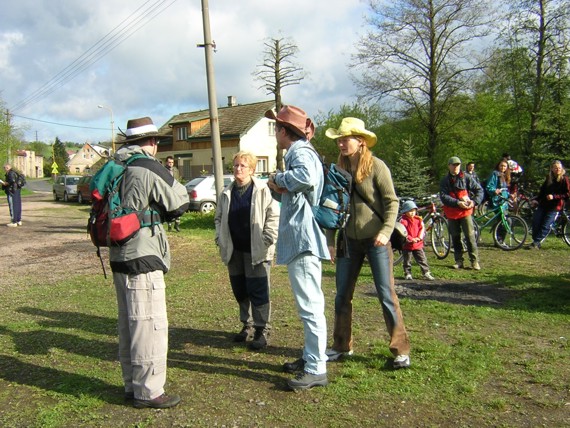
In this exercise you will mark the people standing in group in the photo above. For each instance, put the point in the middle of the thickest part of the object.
(169, 164)
(373, 214)
(139, 266)
(498, 185)
(247, 220)
(414, 246)
(10, 186)
(301, 244)
(553, 193)
(470, 171)
(459, 195)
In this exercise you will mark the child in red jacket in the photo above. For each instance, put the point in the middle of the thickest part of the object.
(414, 245)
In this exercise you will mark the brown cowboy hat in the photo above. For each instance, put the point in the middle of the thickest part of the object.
(140, 129)
(295, 119)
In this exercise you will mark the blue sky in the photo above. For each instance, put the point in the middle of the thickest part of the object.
(158, 71)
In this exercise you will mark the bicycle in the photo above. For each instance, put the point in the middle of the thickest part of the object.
(435, 227)
(509, 230)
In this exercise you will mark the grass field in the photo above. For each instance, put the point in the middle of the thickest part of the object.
(489, 348)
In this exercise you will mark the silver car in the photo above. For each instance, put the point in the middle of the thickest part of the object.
(65, 187)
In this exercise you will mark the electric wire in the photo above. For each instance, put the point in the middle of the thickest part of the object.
(102, 47)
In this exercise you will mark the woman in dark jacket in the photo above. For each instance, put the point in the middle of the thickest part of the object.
(550, 200)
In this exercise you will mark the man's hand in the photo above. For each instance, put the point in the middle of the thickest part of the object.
(274, 187)
(331, 252)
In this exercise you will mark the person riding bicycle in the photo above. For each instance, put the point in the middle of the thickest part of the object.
(414, 246)
(550, 200)
(458, 206)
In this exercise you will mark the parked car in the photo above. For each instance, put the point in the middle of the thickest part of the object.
(83, 192)
(65, 187)
(202, 192)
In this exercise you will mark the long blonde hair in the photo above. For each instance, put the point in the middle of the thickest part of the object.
(364, 168)
(551, 177)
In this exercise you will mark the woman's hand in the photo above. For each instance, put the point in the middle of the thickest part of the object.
(331, 252)
(549, 197)
(381, 240)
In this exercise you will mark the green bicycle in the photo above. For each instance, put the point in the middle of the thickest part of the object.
(509, 231)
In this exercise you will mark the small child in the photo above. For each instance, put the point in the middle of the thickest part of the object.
(414, 245)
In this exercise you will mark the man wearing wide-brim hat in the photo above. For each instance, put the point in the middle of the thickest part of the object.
(301, 244)
(140, 264)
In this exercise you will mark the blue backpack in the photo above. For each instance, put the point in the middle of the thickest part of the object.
(332, 210)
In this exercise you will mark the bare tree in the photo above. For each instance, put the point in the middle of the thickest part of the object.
(277, 71)
(419, 54)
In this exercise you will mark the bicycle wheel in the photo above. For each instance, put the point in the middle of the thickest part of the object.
(439, 237)
(525, 211)
(566, 230)
(512, 236)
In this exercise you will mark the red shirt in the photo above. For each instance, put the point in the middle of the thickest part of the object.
(415, 227)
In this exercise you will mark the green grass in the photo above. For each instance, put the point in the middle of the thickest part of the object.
(474, 362)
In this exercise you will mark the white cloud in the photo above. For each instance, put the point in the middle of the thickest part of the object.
(159, 71)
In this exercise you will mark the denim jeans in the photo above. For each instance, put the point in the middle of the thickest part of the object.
(541, 222)
(347, 271)
(305, 278)
(456, 226)
(15, 206)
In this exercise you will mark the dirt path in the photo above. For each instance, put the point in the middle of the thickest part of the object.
(51, 242)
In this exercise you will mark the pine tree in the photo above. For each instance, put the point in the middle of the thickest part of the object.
(410, 172)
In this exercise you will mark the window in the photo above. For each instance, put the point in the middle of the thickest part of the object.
(272, 128)
(262, 166)
(182, 133)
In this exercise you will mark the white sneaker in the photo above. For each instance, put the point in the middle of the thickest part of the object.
(12, 225)
(429, 276)
(408, 277)
(19, 223)
(336, 355)
(402, 362)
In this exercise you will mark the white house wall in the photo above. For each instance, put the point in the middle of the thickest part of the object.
(258, 141)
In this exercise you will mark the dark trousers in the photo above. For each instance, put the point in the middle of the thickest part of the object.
(15, 204)
(419, 256)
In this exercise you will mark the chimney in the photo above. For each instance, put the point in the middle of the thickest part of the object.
(232, 101)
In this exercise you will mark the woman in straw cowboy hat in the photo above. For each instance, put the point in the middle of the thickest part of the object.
(374, 209)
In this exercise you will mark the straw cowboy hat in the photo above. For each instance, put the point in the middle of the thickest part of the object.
(140, 129)
(352, 126)
(295, 119)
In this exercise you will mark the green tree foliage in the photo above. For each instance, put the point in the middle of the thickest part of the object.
(60, 156)
(410, 172)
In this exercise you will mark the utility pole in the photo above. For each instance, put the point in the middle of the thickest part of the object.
(209, 46)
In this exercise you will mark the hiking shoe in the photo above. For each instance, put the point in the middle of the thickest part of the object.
(401, 362)
(12, 225)
(533, 246)
(475, 265)
(408, 277)
(336, 355)
(129, 395)
(259, 339)
(429, 276)
(161, 402)
(458, 265)
(294, 366)
(306, 380)
(243, 335)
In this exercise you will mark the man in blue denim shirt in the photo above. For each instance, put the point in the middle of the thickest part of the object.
(301, 244)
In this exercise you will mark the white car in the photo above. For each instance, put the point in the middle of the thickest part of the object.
(202, 192)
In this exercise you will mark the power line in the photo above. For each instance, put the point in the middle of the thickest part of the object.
(102, 47)
(59, 124)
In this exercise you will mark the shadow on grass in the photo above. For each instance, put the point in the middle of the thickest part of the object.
(15, 371)
(41, 341)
